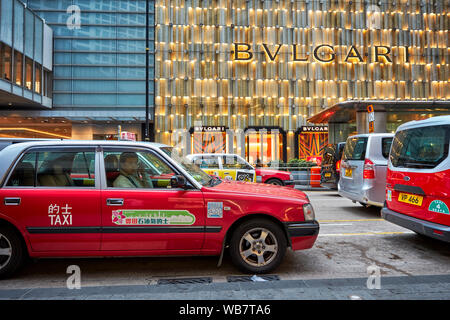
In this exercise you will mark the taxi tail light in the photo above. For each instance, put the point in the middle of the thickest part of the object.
(338, 165)
(369, 170)
(308, 212)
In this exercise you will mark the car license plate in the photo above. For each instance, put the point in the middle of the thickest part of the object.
(410, 198)
(327, 175)
(348, 172)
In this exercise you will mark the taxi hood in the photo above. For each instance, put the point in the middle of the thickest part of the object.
(259, 189)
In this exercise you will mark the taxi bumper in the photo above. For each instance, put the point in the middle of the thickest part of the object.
(302, 235)
(430, 229)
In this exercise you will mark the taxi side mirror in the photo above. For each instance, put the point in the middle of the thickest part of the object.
(178, 181)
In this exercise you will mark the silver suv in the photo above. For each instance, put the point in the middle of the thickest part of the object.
(363, 168)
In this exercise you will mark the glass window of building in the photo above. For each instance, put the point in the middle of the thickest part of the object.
(47, 83)
(38, 34)
(38, 78)
(6, 19)
(5, 62)
(28, 73)
(29, 33)
(18, 26)
(18, 68)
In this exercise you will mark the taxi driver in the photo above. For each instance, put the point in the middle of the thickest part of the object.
(130, 177)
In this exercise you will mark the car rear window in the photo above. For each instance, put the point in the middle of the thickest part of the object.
(341, 147)
(355, 148)
(420, 147)
(386, 146)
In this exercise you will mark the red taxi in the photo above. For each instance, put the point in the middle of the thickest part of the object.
(109, 198)
(418, 178)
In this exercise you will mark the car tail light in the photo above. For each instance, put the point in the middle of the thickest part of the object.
(369, 170)
(338, 165)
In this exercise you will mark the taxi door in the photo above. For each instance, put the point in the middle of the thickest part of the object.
(139, 213)
(58, 210)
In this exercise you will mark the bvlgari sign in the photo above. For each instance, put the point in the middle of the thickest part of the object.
(321, 53)
(314, 129)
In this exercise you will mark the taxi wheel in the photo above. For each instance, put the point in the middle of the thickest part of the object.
(11, 252)
(257, 246)
(275, 182)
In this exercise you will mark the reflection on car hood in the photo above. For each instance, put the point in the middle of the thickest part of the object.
(259, 189)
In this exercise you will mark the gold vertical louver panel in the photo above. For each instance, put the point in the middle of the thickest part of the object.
(198, 79)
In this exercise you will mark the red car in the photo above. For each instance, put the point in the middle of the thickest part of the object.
(65, 199)
(418, 178)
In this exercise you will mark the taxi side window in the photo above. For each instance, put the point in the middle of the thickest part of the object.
(54, 169)
(66, 169)
(24, 173)
(130, 169)
(233, 162)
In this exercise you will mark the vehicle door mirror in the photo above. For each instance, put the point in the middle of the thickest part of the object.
(178, 181)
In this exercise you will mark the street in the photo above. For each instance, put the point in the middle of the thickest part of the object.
(351, 240)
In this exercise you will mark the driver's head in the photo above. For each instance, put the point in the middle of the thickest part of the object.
(128, 162)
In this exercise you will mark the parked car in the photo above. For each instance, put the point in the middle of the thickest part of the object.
(363, 168)
(234, 167)
(418, 179)
(331, 165)
(56, 203)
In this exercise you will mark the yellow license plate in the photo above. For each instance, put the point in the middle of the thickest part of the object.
(348, 172)
(327, 175)
(410, 198)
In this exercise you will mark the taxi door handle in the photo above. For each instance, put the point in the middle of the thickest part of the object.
(114, 202)
(11, 201)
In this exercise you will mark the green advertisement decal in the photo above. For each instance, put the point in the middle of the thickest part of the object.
(153, 217)
(439, 207)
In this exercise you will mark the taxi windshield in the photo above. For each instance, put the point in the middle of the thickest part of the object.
(198, 174)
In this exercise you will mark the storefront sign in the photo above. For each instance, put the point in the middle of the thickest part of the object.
(210, 129)
(321, 53)
(314, 129)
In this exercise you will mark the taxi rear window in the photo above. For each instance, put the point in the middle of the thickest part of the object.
(424, 147)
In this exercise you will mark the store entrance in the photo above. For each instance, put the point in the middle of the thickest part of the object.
(209, 139)
(265, 145)
(310, 143)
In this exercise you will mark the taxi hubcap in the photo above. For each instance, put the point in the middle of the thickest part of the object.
(258, 247)
(5, 251)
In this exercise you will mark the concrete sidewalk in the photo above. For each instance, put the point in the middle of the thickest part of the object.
(433, 287)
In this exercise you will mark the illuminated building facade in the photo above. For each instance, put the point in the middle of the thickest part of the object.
(237, 76)
(260, 69)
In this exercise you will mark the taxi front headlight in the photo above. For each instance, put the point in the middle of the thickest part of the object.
(308, 212)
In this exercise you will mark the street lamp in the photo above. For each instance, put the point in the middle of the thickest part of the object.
(147, 123)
